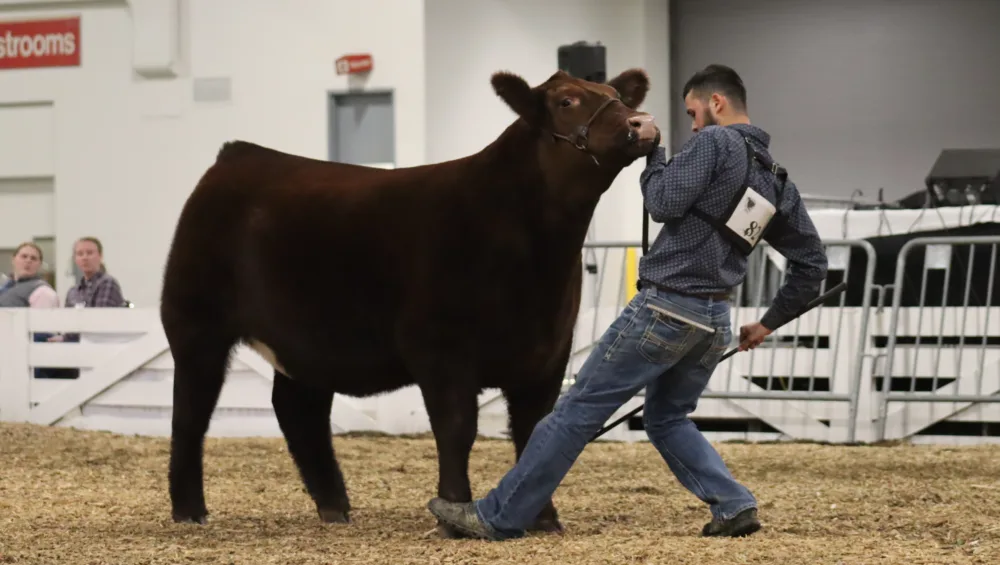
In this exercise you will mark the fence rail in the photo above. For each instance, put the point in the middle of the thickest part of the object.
(802, 382)
(938, 252)
(880, 361)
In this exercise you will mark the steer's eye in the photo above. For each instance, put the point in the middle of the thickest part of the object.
(566, 102)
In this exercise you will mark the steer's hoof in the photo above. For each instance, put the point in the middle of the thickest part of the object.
(334, 516)
(549, 526)
(200, 519)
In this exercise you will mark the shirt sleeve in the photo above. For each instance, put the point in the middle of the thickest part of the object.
(44, 297)
(670, 187)
(108, 294)
(794, 236)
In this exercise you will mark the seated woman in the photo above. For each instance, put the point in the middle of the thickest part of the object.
(26, 288)
(95, 289)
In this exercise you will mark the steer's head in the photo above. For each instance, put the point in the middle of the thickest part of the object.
(600, 120)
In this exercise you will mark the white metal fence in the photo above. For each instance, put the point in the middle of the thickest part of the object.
(821, 377)
(943, 339)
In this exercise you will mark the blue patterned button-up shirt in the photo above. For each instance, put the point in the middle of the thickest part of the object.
(689, 255)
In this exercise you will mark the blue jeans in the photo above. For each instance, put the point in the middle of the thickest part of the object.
(673, 360)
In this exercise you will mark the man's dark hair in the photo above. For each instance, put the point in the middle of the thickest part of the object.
(721, 79)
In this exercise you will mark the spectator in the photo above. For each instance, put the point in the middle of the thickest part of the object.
(96, 288)
(26, 288)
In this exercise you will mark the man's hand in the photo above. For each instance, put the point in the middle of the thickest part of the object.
(752, 335)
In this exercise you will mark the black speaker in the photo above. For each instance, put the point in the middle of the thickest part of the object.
(961, 177)
(584, 60)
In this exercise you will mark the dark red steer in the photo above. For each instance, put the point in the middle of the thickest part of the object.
(457, 277)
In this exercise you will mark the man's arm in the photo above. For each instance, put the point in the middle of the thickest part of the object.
(795, 236)
(669, 188)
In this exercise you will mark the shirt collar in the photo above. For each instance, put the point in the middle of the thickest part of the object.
(755, 132)
(93, 280)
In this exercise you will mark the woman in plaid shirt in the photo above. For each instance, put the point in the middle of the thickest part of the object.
(96, 288)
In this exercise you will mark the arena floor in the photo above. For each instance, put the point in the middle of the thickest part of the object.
(69, 496)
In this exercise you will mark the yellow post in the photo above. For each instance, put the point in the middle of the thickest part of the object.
(631, 273)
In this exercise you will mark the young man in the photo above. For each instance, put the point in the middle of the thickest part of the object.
(715, 198)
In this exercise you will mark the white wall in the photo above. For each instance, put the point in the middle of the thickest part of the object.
(128, 150)
(27, 211)
(27, 200)
(857, 94)
(468, 41)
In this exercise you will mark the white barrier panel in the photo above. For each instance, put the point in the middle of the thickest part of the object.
(126, 375)
(125, 381)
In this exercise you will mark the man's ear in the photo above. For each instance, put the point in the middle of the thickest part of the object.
(632, 85)
(717, 102)
(513, 90)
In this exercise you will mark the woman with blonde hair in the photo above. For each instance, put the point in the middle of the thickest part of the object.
(96, 288)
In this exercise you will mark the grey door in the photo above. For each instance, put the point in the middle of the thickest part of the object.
(362, 128)
(6, 261)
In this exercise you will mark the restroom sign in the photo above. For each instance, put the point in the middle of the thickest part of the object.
(40, 43)
(351, 64)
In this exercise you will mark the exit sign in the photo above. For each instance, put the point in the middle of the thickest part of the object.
(351, 64)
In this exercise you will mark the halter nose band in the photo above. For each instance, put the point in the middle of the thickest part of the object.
(579, 137)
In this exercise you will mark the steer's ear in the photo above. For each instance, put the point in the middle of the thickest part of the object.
(513, 90)
(632, 85)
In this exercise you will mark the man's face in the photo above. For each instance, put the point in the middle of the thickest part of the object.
(700, 110)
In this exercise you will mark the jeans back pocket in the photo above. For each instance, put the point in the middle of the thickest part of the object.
(665, 337)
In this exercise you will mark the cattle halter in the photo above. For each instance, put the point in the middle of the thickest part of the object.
(579, 137)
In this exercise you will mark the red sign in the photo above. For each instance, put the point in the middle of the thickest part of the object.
(350, 64)
(40, 43)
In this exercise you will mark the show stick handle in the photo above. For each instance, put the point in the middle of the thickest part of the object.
(838, 288)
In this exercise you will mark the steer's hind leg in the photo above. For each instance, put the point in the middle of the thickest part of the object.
(526, 406)
(200, 363)
(304, 417)
(453, 410)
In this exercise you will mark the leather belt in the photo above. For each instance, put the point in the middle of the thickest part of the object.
(724, 295)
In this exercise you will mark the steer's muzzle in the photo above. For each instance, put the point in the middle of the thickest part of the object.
(642, 128)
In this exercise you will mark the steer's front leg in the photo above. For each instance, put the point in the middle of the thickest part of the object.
(454, 411)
